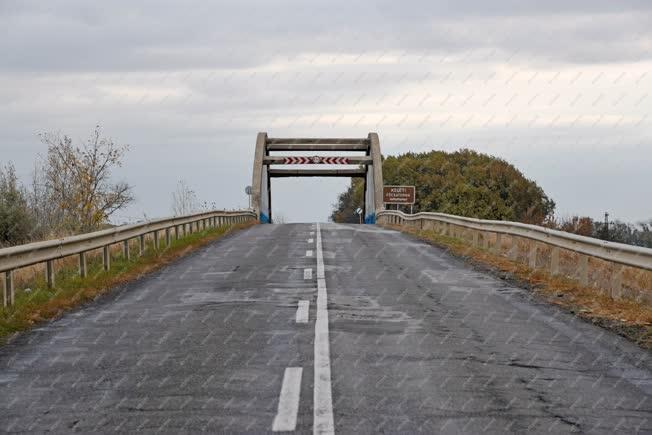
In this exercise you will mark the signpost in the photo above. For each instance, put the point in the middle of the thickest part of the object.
(398, 195)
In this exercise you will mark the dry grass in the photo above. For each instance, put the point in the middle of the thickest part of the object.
(629, 316)
(36, 303)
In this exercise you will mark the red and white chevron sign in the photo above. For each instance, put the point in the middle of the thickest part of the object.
(315, 160)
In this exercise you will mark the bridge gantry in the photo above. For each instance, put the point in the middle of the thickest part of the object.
(369, 168)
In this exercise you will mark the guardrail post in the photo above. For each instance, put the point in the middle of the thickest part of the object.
(125, 250)
(106, 258)
(583, 270)
(49, 273)
(617, 282)
(168, 238)
(8, 293)
(554, 261)
(532, 257)
(176, 232)
(141, 244)
(498, 247)
(156, 241)
(82, 265)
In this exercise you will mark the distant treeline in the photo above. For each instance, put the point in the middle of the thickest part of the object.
(472, 184)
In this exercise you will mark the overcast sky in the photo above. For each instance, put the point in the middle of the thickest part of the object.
(559, 88)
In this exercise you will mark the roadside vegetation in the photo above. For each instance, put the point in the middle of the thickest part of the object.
(71, 190)
(35, 302)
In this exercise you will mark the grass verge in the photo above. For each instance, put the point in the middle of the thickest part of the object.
(35, 302)
(627, 318)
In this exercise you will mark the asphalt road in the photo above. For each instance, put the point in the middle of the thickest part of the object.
(305, 327)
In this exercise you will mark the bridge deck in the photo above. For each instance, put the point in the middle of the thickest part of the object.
(415, 340)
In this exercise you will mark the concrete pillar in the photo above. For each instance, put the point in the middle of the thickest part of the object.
(125, 250)
(8, 293)
(532, 257)
(554, 261)
(106, 257)
(168, 238)
(49, 273)
(82, 265)
(583, 270)
(141, 244)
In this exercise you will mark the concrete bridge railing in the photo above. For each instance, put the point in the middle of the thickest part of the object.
(525, 242)
(48, 251)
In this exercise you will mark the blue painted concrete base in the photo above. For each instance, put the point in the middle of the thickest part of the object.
(264, 219)
(370, 218)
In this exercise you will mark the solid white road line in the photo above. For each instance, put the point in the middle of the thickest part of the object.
(323, 396)
(288, 402)
(302, 311)
(309, 253)
(307, 273)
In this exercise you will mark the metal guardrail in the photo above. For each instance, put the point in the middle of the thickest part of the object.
(29, 254)
(618, 253)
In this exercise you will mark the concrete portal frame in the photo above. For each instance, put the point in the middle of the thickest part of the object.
(369, 168)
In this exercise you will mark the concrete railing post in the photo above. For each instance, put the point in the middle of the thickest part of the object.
(498, 247)
(141, 244)
(125, 250)
(513, 250)
(176, 232)
(617, 282)
(156, 240)
(532, 256)
(485, 240)
(8, 293)
(583, 270)
(82, 265)
(554, 261)
(49, 273)
(168, 237)
(106, 258)
(476, 241)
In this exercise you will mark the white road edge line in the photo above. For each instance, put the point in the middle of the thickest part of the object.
(323, 396)
(309, 253)
(307, 273)
(302, 311)
(288, 402)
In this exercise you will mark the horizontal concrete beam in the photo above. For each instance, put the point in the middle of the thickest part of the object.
(351, 160)
(317, 141)
(278, 173)
(316, 147)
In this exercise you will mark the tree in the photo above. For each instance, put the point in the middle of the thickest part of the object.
(464, 183)
(77, 181)
(184, 200)
(15, 218)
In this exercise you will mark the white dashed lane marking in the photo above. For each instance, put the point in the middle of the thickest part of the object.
(309, 253)
(311, 240)
(288, 402)
(307, 273)
(303, 311)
